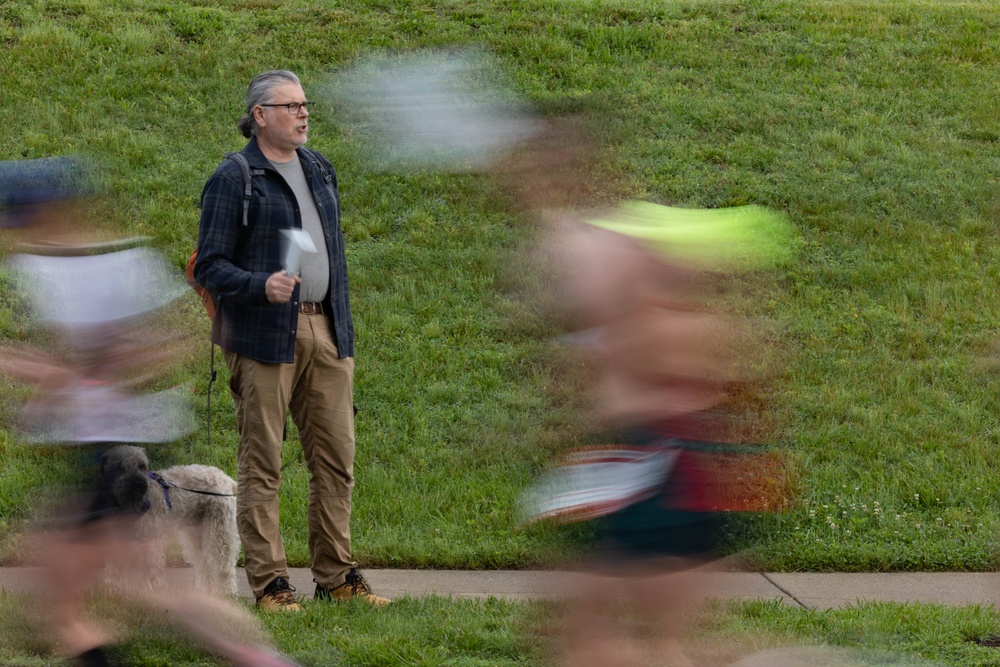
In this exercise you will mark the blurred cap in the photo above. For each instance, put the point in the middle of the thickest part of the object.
(27, 183)
(450, 110)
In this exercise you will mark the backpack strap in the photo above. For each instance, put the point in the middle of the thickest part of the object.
(248, 173)
(241, 160)
(314, 156)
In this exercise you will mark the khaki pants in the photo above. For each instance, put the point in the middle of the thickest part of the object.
(318, 388)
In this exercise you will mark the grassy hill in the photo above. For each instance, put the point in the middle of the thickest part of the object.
(873, 125)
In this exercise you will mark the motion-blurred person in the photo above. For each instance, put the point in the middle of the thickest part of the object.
(644, 282)
(667, 355)
(92, 301)
(287, 337)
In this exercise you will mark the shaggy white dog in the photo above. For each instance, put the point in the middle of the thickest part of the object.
(195, 504)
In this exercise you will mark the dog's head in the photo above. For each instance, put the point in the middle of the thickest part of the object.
(122, 477)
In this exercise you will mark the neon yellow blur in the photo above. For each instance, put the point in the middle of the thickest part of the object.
(726, 239)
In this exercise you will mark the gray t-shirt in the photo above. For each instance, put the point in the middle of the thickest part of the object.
(315, 266)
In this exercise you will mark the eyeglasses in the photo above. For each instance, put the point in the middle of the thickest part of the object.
(293, 107)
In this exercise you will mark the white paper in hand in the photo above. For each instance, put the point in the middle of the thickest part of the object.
(295, 243)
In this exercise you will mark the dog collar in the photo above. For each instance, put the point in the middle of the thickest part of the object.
(164, 485)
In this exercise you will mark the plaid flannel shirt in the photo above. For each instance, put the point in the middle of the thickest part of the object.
(234, 261)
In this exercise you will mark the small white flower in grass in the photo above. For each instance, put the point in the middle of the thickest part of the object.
(847, 532)
(917, 526)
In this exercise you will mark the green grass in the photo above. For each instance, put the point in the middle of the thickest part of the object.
(872, 124)
(468, 633)
(871, 633)
(432, 631)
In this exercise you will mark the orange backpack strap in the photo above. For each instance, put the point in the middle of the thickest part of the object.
(204, 294)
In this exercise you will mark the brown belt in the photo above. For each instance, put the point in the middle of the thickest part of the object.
(311, 308)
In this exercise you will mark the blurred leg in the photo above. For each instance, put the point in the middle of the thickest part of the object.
(594, 638)
(667, 603)
(73, 562)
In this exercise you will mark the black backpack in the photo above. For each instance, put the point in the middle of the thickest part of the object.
(248, 174)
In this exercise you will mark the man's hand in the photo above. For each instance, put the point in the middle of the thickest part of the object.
(279, 286)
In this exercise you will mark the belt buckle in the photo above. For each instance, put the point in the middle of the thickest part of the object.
(308, 308)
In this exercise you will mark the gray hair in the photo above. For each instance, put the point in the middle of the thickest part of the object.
(259, 92)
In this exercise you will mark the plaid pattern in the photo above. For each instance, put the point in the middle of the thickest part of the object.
(234, 261)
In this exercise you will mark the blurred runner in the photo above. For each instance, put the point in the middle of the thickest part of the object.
(645, 285)
(641, 285)
(93, 302)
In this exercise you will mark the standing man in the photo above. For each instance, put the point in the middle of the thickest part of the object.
(288, 340)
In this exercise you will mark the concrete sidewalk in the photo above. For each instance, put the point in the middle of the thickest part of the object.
(806, 590)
